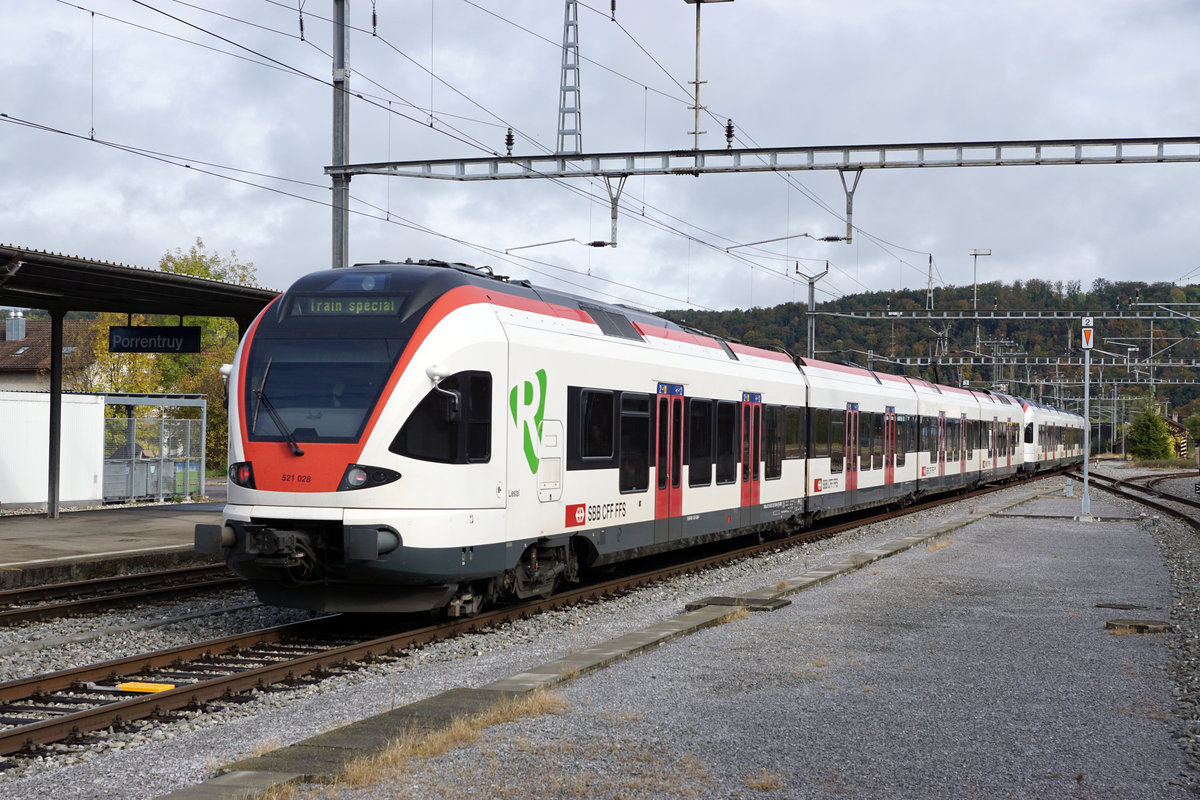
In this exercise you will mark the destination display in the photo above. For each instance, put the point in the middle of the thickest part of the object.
(350, 305)
(154, 339)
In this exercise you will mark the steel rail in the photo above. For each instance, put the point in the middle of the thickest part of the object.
(53, 591)
(169, 583)
(1116, 487)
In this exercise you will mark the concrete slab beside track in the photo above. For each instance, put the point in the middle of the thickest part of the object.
(976, 664)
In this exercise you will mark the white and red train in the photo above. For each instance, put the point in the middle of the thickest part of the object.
(426, 435)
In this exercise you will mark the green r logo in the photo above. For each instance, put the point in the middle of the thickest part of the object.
(527, 415)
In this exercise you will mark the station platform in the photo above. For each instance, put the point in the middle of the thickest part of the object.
(1001, 650)
(35, 549)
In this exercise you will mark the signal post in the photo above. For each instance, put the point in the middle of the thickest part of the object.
(1087, 339)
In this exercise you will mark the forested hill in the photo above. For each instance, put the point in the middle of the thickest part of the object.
(784, 326)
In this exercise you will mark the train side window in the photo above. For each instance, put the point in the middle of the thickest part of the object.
(772, 434)
(727, 442)
(865, 426)
(597, 428)
(819, 438)
(793, 432)
(837, 440)
(901, 438)
(452, 424)
(635, 442)
(700, 443)
(478, 413)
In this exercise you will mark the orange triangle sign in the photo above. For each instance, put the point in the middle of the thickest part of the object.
(1087, 338)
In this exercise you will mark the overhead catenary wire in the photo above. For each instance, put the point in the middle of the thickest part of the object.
(383, 215)
(485, 148)
(265, 60)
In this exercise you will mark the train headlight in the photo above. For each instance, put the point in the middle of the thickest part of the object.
(242, 474)
(360, 476)
(356, 478)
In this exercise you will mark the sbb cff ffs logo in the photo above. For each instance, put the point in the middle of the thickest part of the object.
(576, 515)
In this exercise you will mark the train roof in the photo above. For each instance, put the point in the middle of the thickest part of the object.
(417, 284)
(421, 282)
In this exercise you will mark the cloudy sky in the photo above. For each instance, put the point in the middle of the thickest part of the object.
(106, 99)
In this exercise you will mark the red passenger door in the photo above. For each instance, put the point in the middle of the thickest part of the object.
(889, 445)
(992, 453)
(751, 452)
(851, 446)
(668, 463)
(1010, 440)
(962, 445)
(941, 441)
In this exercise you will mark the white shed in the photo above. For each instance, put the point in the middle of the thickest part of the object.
(24, 437)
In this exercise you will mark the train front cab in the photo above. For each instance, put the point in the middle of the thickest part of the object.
(370, 483)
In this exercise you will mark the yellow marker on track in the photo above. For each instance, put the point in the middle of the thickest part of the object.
(136, 686)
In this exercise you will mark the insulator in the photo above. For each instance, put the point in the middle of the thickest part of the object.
(302, 27)
(728, 134)
(374, 20)
(509, 141)
(613, 15)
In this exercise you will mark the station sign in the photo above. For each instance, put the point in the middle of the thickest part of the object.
(154, 339)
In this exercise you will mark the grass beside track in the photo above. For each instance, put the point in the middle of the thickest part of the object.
(409, 746)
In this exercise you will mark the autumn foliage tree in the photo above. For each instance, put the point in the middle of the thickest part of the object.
(197, 373)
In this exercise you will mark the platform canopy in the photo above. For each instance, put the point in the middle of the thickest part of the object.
(60, 284)
(54, 282)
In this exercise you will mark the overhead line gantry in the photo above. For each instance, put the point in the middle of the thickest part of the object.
(843, 158)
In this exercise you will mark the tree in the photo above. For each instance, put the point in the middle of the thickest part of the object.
(1148, 437)
(197, 373)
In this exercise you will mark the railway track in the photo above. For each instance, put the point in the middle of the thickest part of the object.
(70, 704)
(1151, 497)
(78, 597)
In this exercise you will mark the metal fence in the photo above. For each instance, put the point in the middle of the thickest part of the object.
(153, 459)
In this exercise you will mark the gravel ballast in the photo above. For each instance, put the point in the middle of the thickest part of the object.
(900, 680)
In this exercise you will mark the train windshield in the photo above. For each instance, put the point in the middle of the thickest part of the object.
(320, 390)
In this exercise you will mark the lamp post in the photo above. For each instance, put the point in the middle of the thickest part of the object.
(696, 130)
(975, 254)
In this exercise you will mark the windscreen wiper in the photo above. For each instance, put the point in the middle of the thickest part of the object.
(258, 394)
(288, 437)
